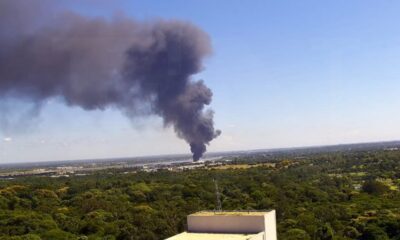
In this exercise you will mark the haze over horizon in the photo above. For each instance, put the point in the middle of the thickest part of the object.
(283, 74)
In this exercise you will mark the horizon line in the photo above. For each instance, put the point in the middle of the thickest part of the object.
(214, 152)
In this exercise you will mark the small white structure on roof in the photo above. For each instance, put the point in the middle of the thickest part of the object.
(234, 225)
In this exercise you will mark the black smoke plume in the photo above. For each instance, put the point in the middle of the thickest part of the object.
(94, 63)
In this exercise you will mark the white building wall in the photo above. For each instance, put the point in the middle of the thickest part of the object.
(270, 225)
(226, 223)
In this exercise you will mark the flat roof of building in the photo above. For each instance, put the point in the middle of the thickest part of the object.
(211, 236)
(230, 213)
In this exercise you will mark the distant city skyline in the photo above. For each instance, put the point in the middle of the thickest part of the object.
(283, 74)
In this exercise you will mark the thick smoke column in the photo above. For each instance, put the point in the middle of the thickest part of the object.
(139, 68)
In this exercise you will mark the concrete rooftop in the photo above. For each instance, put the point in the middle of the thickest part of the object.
(229, 213)
(211, 236)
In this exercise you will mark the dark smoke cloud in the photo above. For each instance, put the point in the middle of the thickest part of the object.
(137, 67)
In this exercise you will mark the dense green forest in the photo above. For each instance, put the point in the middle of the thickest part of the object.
(342, 195)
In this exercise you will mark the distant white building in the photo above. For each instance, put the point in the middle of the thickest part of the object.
(235, 225)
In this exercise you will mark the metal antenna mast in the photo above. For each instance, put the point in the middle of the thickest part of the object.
(218, 196)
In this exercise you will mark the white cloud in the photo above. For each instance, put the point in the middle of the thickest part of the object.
(7, 139)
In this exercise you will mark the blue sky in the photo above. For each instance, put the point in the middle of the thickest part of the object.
(283, 73)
